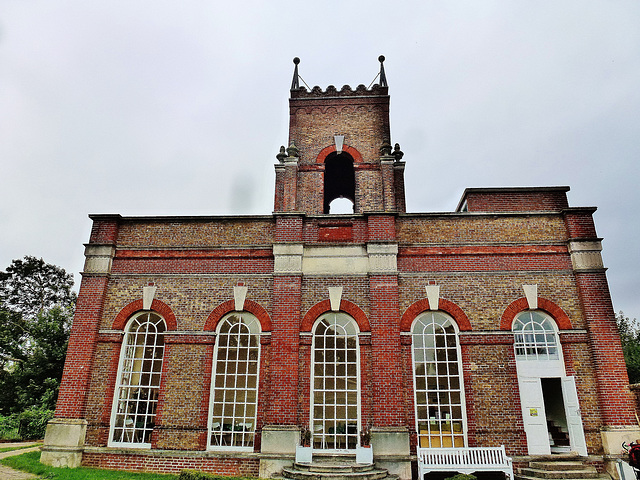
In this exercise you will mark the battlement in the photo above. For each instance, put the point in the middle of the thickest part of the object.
(345, 91)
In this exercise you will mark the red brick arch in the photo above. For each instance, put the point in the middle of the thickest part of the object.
(447, 306)
(230, 306)
(157, 306)
(520, 305)
(325, 306)
(324, 153)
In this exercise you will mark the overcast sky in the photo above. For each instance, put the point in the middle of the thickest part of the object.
(179, 107)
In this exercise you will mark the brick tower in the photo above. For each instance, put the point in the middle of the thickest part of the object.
(339, 148)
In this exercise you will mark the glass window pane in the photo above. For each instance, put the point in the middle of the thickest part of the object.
(138, 380)
(535, 337)
(233, 411)
(437, 367)
(335, 398)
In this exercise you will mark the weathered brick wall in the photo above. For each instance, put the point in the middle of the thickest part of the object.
(181, 419)
(450, 229)
(191, 298)
(551, 199)
(239, 465)
(185, 232)
(338, 230)
(484, 296)
(491, 393)
(362, 117)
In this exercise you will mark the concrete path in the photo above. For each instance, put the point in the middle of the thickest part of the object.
(7, 473)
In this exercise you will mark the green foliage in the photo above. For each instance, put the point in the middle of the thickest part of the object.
(33, 422)
(462, 476)
(29, 286)
(9, 427)
(36, 308)
(630, 338)
(196, 475)
(30, 462)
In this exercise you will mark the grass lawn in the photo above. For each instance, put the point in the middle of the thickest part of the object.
(30, 462)
(8, 449)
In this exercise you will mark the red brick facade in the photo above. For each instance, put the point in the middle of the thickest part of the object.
(383, 259)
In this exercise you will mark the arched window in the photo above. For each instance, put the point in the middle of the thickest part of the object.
(439, 392)
(335, 382)
(234, 396)
(535, 336)
(138, 383)
(339, 179)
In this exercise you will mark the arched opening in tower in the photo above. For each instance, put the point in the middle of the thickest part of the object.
(339, 179)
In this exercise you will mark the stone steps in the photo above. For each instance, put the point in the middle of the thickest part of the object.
(558, 469)
(335, 468)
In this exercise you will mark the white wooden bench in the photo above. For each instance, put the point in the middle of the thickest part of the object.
(464, 460)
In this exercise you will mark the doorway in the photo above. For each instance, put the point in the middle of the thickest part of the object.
(555, 415)
(551, 415)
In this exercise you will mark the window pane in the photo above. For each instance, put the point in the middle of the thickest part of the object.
(233, 411)
(436, 366)
(335, 407)
(137, 385)
(535, 337)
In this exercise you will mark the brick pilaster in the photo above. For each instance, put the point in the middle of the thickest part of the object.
(398, 172)
(388, 389)
(76, 376)
(388, 187)
(290, 187)
(616, 402)
(283, 389)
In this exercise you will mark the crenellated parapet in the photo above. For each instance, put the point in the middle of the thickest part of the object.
(346, 91)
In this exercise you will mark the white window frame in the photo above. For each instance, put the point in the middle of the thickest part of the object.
(228, 409)
(125, 397)
(428, 439)
(537, 343)
(319, 424)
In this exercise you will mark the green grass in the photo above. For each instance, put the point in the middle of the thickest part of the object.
(30, 462)
(8, 449)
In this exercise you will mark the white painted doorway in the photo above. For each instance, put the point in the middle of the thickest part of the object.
(548, 397)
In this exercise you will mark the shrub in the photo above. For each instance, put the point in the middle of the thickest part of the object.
(462, 476)
(9, 427)
(33, 423)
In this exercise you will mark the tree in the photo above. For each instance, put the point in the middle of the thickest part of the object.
(29, 286)
(630, 338)
(36, 308)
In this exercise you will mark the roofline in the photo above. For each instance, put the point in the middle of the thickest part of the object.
(562, 189)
